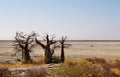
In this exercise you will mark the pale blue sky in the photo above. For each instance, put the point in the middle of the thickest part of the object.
(77, 19)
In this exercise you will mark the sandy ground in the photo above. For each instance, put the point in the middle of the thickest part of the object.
(108, 50)
(78, 50)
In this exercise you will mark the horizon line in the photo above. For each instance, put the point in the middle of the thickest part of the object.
(76, 40)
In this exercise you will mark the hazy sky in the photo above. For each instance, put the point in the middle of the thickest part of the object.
(77, 19)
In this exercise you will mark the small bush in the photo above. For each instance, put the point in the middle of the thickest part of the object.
(56, 59)
(37, 73)
(96, 60)
(4, 72)
(71, 63)
(38, 61)
(116, 64)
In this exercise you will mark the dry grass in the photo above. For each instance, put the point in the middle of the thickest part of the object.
(74, 61)
(35, 62)
(16, 66)
(4, 72)
(37, 73)
(90, 67)
(38, 61)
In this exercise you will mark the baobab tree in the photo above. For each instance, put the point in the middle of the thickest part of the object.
(63, 45)
(47, 49)
(24, 43)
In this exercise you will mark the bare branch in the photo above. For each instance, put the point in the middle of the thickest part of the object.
(32, 46)
(63, 39)
(47, 38)
(38, 42)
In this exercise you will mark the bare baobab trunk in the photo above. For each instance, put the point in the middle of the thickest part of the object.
(24, 44)
(47, 49)
(63, 45)
(26, 56)
(62, 53)
(48, 56)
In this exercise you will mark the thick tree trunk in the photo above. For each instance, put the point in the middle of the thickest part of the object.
(48, 53)
(48, 56)
(22, 53)
(26, 56)
(62, 54)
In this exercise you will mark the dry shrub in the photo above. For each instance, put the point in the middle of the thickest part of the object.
(37, 73)
(7, 65)
(115, 67)
(4, 72)
(27, 62)
(93, 68)
(56, 59)
(38, 61)
(83, 70)
(115, 72)
(96, 60)
(71, 63)
(116, 64)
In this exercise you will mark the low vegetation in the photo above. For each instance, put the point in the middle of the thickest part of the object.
(90, 67)
(37, 73)
(56, 59)
(4, 72)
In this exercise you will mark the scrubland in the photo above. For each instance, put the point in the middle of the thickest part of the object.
(83, 59)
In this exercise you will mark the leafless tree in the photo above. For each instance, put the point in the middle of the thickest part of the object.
(63, 45)
(48, 50)
(24, 43)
